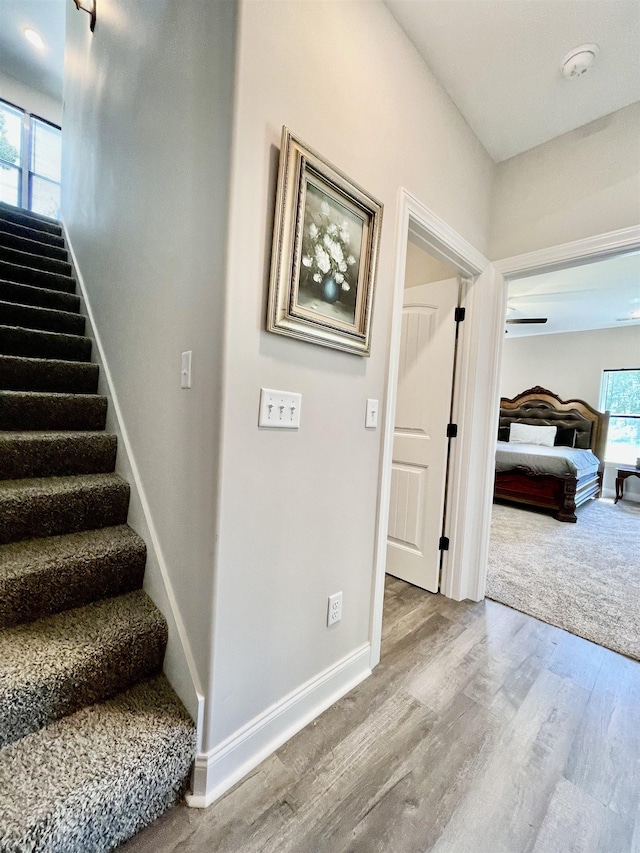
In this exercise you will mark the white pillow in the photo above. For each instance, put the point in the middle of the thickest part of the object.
(530, 434)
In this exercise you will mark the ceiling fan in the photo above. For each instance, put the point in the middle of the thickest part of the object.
(526, 320)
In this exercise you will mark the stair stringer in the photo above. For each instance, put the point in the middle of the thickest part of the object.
(179, 664)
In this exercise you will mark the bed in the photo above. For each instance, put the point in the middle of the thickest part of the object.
(558, 473)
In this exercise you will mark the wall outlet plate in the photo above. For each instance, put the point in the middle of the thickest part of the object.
(279, 409)
(334, 610)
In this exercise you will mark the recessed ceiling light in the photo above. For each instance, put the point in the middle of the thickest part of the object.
(34, 37)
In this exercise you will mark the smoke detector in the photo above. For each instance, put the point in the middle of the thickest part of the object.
(579, 60)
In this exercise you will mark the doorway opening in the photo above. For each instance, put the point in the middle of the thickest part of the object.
(581, 577)
(466, 470)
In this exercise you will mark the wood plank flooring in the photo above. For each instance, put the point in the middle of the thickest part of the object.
(482, 730)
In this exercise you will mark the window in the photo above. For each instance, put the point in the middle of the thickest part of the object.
(30, 149)
(620, 395)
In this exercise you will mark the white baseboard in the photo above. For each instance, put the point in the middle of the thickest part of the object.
(220, 768)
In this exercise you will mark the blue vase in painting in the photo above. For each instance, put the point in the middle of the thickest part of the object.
(329, 289)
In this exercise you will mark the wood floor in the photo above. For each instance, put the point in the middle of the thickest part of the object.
(481, 730)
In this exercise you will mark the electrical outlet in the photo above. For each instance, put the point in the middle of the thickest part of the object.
(334, 611)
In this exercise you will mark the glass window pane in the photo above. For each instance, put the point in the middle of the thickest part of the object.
(623, 441)
(10, 134)
(622, 392)
(45, 150)
(45, 197)
(10, 185)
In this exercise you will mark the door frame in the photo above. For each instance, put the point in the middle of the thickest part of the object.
(471, 468)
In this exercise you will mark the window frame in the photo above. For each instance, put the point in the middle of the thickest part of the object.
(604, 385)
(26, 151)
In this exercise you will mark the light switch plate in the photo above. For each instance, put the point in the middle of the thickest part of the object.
(185, 370)
(279, 409)
(371, 416)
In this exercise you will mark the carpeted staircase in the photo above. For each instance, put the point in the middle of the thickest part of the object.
(94, 744)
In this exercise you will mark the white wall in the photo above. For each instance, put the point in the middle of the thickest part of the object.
(568, 364)
(29, 99)
(571, 366)
(423, 268)
(581, 184)
(299, 508)
(146, 150)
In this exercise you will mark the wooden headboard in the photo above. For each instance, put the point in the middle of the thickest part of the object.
(542, 407)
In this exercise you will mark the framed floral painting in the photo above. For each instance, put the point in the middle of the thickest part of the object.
(325, 252)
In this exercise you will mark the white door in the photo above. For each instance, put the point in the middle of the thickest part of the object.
(420, 444)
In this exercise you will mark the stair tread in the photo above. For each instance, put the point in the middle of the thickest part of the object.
(35, 555)
(34, 260)
(21, 373)
(29, 214)
(103, 773)
(57, 395)
(55, 453)
(60, 485)
(51, 335)
(15, 229)
(37, 295)
(32, 342)
(53, 666)
(40, 309)
(39, 577)
(35, 247)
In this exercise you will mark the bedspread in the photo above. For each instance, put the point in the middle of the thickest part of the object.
(545, 460)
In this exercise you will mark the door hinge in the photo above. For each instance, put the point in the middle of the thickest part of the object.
(452, 430)
(443, 544)
(459, 314)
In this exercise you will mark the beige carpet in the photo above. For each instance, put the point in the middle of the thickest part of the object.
(582, 577)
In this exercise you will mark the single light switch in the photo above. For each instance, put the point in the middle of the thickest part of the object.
(371, 417)
(279, 409)
(185, 371)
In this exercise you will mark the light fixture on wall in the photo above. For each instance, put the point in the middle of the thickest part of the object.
(88, 6)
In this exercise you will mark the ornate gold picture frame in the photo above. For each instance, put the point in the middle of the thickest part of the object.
(325, 251)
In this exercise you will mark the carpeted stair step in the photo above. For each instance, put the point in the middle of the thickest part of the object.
(26, 294)
(27, 233)
(53, 506)
(55, 454)
(33, 343)
(44, 410)
(37, 278)
(35, 247)
(44, 319)
(102, 774)
(58, 664)
(39, 577)
(40, 262)
(40, 374)
(37, 221)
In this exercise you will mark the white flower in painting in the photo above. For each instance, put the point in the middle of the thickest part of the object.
(313, 230)
(344, 236)
(317, 277)
(324, 208)
(307, 261)
(333, 228)
(322, 260)
(342, 266)
(351, 260)
(336, 253)
(345, 286)
(339, 278)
